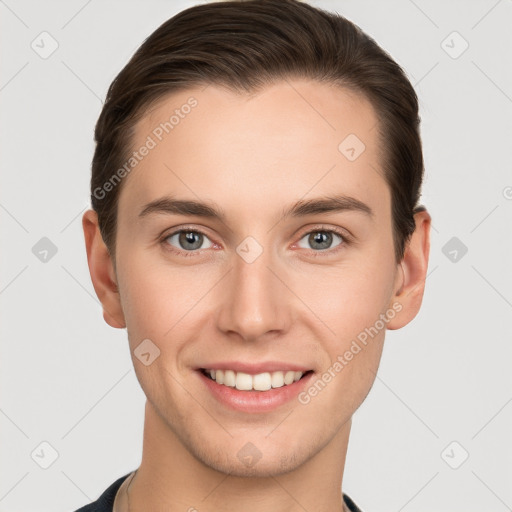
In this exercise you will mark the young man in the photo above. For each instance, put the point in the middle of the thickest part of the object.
(256, 229)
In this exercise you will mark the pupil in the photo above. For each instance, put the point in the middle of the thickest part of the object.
(188, 237)
(322, 238)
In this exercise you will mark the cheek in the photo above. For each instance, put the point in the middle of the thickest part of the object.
(161, 301)
(347, 298)
(349, 303)
(150, 296)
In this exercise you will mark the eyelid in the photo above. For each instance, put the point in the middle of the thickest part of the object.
(344, 233)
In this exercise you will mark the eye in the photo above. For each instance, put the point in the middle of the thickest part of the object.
(321, 239)
(187, 240)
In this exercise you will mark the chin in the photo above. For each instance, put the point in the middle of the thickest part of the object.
(260, 458)
(271, 467)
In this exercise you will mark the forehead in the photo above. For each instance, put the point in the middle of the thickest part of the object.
(291, 139)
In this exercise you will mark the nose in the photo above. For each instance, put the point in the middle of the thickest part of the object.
(255, 299)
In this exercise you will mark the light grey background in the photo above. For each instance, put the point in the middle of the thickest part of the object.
(67, 377)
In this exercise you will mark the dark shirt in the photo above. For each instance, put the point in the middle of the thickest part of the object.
(105, 502)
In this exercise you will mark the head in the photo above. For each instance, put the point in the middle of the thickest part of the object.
(250, 108)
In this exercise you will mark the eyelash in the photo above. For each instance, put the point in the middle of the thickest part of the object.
(346, 240)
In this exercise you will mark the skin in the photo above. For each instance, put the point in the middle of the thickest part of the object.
(252, 155)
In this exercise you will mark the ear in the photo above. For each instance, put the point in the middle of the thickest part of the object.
(102, 271)
(410, 282)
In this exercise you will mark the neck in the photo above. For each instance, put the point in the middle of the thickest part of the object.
(170, 477)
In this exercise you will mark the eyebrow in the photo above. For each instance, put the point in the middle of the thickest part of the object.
(337, 203)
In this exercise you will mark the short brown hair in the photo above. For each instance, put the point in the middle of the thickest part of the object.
(245, 45)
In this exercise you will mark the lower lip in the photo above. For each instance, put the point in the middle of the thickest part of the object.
(255, 401)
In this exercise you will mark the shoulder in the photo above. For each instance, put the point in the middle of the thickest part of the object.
(106, 501)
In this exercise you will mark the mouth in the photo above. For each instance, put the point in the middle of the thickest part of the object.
(254, 382)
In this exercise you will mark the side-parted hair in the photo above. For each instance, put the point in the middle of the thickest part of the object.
(244, 46)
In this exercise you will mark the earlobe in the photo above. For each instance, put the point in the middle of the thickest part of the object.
(414, 272)
(102, 271)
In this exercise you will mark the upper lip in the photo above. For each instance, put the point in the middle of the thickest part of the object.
(255, 368)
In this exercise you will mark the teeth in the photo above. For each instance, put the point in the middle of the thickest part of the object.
(229, 378)
(243, 381)
(277, 379)
(260, 382)
(289, 377)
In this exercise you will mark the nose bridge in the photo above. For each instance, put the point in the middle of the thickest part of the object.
(255, 301)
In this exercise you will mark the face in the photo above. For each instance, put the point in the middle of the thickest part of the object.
(252, 288)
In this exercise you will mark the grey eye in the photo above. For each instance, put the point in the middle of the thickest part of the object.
(320, 239)
(189, 240)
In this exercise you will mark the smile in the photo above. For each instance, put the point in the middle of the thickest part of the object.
(259, 382)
